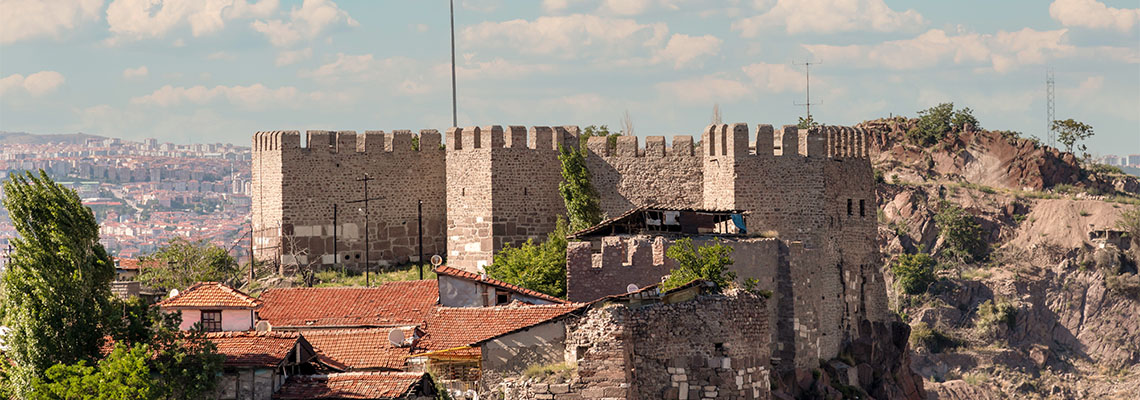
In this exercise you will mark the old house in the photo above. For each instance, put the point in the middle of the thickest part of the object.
(214, 305)
(367, 349)
(257, 363)
(459, 288)
(359, 385)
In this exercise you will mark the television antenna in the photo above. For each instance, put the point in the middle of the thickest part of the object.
(1050, 115)
(396, 337)
(807, 85)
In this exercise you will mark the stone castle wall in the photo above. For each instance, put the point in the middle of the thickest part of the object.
(627, 176)
(297, 188)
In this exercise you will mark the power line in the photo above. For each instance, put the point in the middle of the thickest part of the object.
(807, 84)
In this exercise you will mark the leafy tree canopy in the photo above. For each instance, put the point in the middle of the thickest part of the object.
(56, 287)
(914, 272)
(807, 123)
(1071, 132)
(181, 263)
(709, 262)
(937, 122)
(577, 190)
(961, 233)
(539, 267)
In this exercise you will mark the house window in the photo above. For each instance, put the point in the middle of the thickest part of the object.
(502, 297)
(862, 208)
(849, 207)
(212, 320)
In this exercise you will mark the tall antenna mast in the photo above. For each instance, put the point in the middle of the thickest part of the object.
(454, 119)
(1049, 108)
(807, 84)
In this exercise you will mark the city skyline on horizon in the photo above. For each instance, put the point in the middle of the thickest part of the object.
(189, 74)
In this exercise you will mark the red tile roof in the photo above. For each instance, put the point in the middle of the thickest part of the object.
(461, 274)
(391, 304)
(354, 349)
(450, 327)
(350, 385)
(210, 295)
(254, 349)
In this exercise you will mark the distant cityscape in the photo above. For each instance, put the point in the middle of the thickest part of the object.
(144, 193)
(1131, 160)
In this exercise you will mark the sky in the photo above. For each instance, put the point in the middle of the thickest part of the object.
(193, 71)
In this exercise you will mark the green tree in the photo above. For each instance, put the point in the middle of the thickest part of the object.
(935, 123)
(709, 262)
(913, 272)
(599, 131)
(1071, 132)
(56, 287)
(582, 204)
(539, 267)
(181, 263)
(124, 374)
(962, 235)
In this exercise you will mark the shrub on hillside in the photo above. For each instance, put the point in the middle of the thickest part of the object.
(992, 316)
(935, 123)
(914, 272)
(930, 338)
(962, 234)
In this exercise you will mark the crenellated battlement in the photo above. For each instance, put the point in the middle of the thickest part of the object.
(511, 137)
(347, 142)
(824, 141)
(629, 146)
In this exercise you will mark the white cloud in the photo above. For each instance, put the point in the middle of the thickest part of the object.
(497, 68)
(1001, 52)
(707, 89)
(684, 50)
(140, 72)
(400, 74)
(306, 22)
(568, 36)
(37, 84)
(293, 56)
(625, 7)
(828, 16)
(256, 96)
(773, 78)
(27, 19)
(145, 19)
(1093, 14)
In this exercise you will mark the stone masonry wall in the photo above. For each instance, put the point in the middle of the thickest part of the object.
(523, 169)
(629, 176)
(711, 347)
(310, 180)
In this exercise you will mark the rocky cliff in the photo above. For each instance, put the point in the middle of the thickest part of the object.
(1048, 312)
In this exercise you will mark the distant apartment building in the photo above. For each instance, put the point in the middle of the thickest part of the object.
(1134, 160)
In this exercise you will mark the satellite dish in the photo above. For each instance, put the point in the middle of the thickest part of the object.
(631, 288)
(263, 326)
(436, 260)
(396, 337)
(173, 292)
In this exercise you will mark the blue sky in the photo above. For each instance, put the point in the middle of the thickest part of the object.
(219, 70)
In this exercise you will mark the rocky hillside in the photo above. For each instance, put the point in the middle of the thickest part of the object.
(1045, 312)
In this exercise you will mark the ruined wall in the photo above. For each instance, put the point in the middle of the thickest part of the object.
(310, 181)
(628, 176)
(711, 347)
(523, 169)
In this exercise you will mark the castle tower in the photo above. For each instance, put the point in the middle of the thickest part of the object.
(502, 188)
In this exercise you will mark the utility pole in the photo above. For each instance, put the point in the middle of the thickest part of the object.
(367, 242)
(1049, 110)
(807, 84)
(336, 254)
(420, 232)
(454, 119)
(252, 259)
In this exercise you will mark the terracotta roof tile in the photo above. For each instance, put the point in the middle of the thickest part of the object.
(352, 349)
(458, 273)
(450, 327)
(391, 304)
(350, 385)
(254, 349)
(211, 295)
